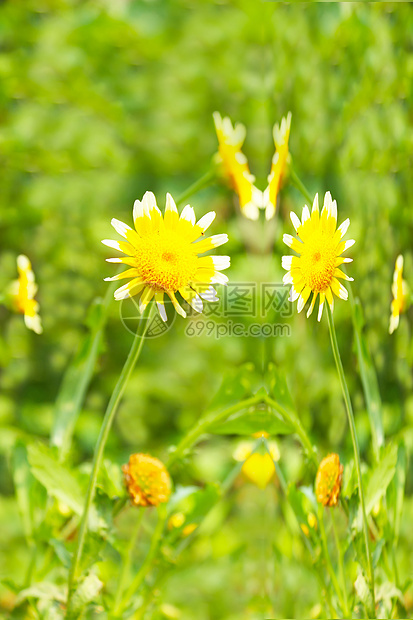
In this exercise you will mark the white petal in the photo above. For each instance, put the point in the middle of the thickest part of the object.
(112, 244)
(300, 304)
(170, 204)
(333, 210)
(23, 263)
(344, 226)
(218, 240)
(306, 214)
(221, 262)
(206, 221)
(343, 292)
(188, 214)
(294, 295)
(113, 260)
(120, 227)
(295, 220)
(315, 203)
(320, 311)
(288, 279)
(162, 311)
(288, 240)
(149, 201)
(348, 244)
(286, 262)
(139, 210)
(219, 278)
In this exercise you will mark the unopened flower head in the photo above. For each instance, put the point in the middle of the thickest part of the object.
(147, 480)
(400, 294)
(319, 247)
(280, 161)
(23, 291)
(235, 165)
(257, 467)
(328, 480)
(163, 255)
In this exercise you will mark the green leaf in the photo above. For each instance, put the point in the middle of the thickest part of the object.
(250, 422)
(23, 482)
(59, 481)
(41, 591)
(78, 376)
(379, 481)
(363, 591)
(86, 592)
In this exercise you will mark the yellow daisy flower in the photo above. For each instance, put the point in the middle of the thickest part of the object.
(400, 293)
(22, 292)
(281, 134)
(147, 480)
(319, 248)
(163, 255)
(235, 165)
(259, 468)
(328, 480)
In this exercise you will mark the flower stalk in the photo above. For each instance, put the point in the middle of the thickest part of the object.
(110, 413)
(352, 425)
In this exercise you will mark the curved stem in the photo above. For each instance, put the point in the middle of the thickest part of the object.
(346, 610)
(352, 425)
(127, 561)
(199, 429)
(203, 182)
(296, 181)
(101, 442)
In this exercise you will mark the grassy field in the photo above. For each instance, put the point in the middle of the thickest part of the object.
(101, 102)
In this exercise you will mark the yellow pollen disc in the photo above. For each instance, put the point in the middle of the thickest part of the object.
(166, 262)
(317, 261)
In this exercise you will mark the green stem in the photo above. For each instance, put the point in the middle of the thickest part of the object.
(201, 183)
(199, 429)
(296, 181)
(352, 425)
(327, 558)
(101, 442)
(298, 427)
(126, 563)
(147, 564)
(346, 609)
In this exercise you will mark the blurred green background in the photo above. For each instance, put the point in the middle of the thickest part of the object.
(101, 101)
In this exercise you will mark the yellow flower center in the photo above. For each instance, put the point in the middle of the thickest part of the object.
(318, 261)
(166, 262)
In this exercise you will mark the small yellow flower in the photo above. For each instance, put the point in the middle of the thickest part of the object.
(305, 530)
(312, 520)
(147, 480)
(235, 165)
(163, 255)
(259, 468)
(328, 480)
(176, 520)
(22, 292)
(319, 248)
(400, 294)
(189, 529)
(280, 160)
